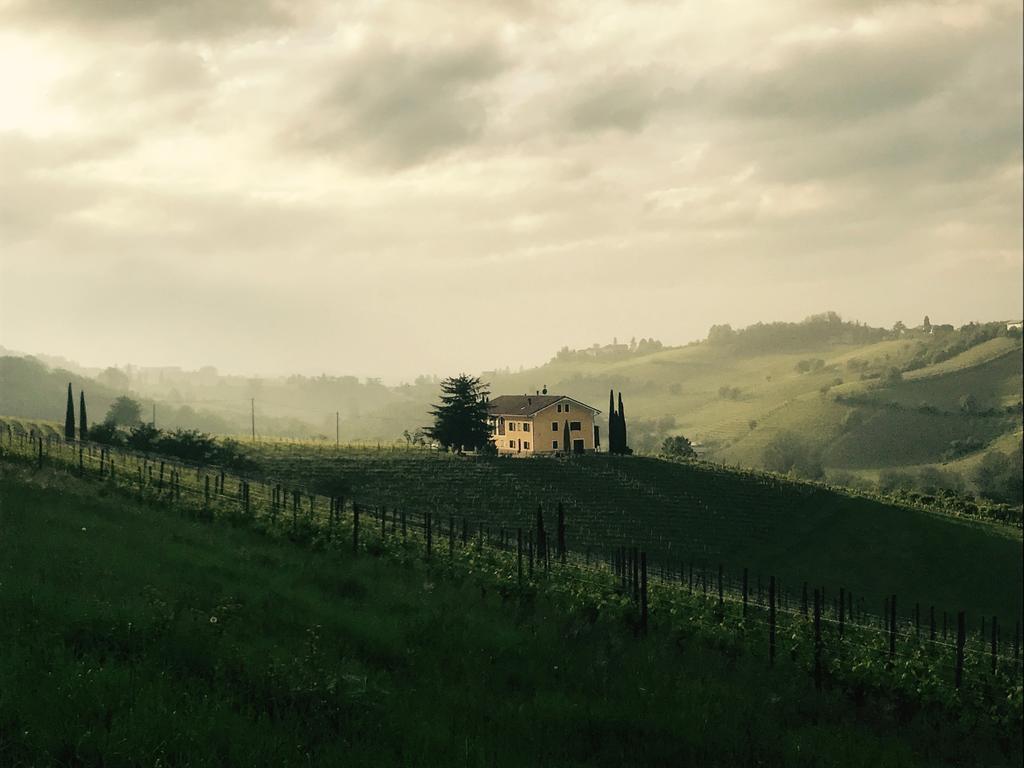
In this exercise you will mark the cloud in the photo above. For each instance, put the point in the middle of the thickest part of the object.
(623, 101)
(175, 19)
(399, 108)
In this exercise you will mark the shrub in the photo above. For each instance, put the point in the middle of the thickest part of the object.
(1000, 477)
(106, 433)
(788, 453)
(678, 447)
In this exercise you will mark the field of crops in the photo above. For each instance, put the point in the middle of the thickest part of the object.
(684, 515)
(920, 656)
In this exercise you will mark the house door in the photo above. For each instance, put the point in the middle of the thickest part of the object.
(577, 446)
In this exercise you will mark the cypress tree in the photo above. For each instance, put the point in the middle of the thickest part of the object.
(69, 417)
(612, 431)
(623, 445)
(83, 424)
(566, 440)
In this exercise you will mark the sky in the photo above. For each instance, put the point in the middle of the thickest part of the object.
(386, 189)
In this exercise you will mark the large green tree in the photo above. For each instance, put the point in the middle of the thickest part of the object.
(460, 419)
(124, 412)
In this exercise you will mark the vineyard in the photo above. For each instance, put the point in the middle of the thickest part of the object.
(620, 558)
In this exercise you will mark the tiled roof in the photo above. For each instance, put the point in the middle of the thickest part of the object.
(527, 405)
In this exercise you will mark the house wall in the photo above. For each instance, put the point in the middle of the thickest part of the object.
(518, 437)
(545, 435)
(541, 436)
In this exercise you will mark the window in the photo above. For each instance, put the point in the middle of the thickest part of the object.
(566, 407)
(559, 407)
(526, 427)
(511, 426)
(554, 445)
(574, 426)
(511, 443)
(554, 426)
(526, 446)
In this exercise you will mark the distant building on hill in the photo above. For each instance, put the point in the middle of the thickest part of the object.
(1019, 325)
(531, 425)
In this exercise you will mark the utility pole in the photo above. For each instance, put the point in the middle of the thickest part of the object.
(337, 429)
(252, 407)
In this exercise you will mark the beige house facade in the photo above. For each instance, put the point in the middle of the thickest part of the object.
(532, 425)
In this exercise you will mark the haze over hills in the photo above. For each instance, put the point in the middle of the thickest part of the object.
(849, 399)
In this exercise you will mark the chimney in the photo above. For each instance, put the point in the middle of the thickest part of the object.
(537, 392)
(545, 389)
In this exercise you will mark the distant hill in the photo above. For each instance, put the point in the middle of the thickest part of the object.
(859, 401)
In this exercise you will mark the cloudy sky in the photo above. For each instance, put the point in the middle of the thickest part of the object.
(393, 188)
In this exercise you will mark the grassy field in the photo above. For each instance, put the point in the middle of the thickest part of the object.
(694, 513)
(134, 636)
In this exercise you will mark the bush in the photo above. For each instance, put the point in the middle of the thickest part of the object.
(678, 447)
(107, 433)
(729, 393)
(142, 437)
(189, 445)
(1000, 477)
(788, 453)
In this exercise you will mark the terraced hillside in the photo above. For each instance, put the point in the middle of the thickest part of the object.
(690, 514)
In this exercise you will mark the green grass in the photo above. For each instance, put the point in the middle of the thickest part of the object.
(132, 636)
(694, 513)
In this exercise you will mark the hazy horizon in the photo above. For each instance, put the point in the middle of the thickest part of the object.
(366, 189)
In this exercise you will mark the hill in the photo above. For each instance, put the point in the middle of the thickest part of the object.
(862, 402)
(155, 637)
(692, 515)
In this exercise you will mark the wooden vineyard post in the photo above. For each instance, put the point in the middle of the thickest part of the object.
(355, 527)
(159, 483)
(465, 532)
(995, 643)
(206, 497)
(81, 469)
(451, 537)
(1016, 641)
(892, 627)
(622, 567)
(643, 593)
(561, 533)
(430, 534)
(771, 621)
(636, 575)
(961, 638)
(817, 641)
(721, 596)
(690, 588)
(744, 593)
(931, 624)
(41, 453)
(945, 624)
(917, 620)
(403, 526)
(842, 610)
(529, 548)
(519, 554)
(805, 600)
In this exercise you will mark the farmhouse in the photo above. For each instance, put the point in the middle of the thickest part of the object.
(529, 425)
